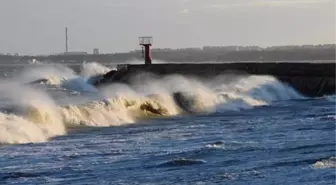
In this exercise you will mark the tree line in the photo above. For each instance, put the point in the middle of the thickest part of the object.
(206, 53)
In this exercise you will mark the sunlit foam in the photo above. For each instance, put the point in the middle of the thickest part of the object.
(32, 116)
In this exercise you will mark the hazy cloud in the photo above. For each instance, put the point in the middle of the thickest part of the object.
(37, 26)
(289, 2)
(184, 11)
(117, 4)
(264, 3)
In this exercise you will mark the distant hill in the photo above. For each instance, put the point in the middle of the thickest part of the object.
(207, 53)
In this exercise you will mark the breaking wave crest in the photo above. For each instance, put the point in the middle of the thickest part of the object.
(61, 76)
(112, 112)
(28, 115)
(31, 115)
(93, 68)
(327, 163)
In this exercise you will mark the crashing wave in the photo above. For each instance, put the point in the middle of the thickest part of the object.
(93, 69)
(31, 115)
(116, 111)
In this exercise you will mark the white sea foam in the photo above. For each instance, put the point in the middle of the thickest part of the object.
(328, 163)
(30, 115)
(93, 68)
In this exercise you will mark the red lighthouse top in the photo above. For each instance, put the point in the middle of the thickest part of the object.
(145, 41)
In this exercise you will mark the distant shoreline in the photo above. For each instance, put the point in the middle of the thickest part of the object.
(207, 53)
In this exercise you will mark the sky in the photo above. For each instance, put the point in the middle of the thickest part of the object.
(37, 26)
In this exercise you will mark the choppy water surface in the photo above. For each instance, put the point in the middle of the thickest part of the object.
(226, 130)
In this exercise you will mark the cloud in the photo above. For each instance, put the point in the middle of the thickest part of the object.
(289, 2)
(184, 11)
(117, 5)
(215, 6)
(265, 3)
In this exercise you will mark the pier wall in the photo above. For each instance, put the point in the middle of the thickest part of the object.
(310, 79)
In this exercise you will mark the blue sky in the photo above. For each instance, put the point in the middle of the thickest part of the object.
(37, 26)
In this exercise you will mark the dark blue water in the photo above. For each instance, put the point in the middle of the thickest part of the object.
(277, 144)
(283, 142)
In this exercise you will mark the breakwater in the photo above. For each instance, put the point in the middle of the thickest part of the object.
(310, 79)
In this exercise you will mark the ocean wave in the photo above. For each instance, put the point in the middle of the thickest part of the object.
(33, 116)
(93, 69)
(181, 162)
(112, 112)
(30, 115)
(327, 163)
(63, 77)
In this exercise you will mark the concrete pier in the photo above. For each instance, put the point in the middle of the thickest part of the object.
(310, 79)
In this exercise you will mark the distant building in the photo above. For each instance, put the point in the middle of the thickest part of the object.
(96, 51)
(75, 53)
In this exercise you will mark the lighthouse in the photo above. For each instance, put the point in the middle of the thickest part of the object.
(146, 43)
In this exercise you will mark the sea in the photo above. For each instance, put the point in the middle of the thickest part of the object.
(57, 128)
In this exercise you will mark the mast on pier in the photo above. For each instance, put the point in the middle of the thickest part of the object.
(66, 40)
